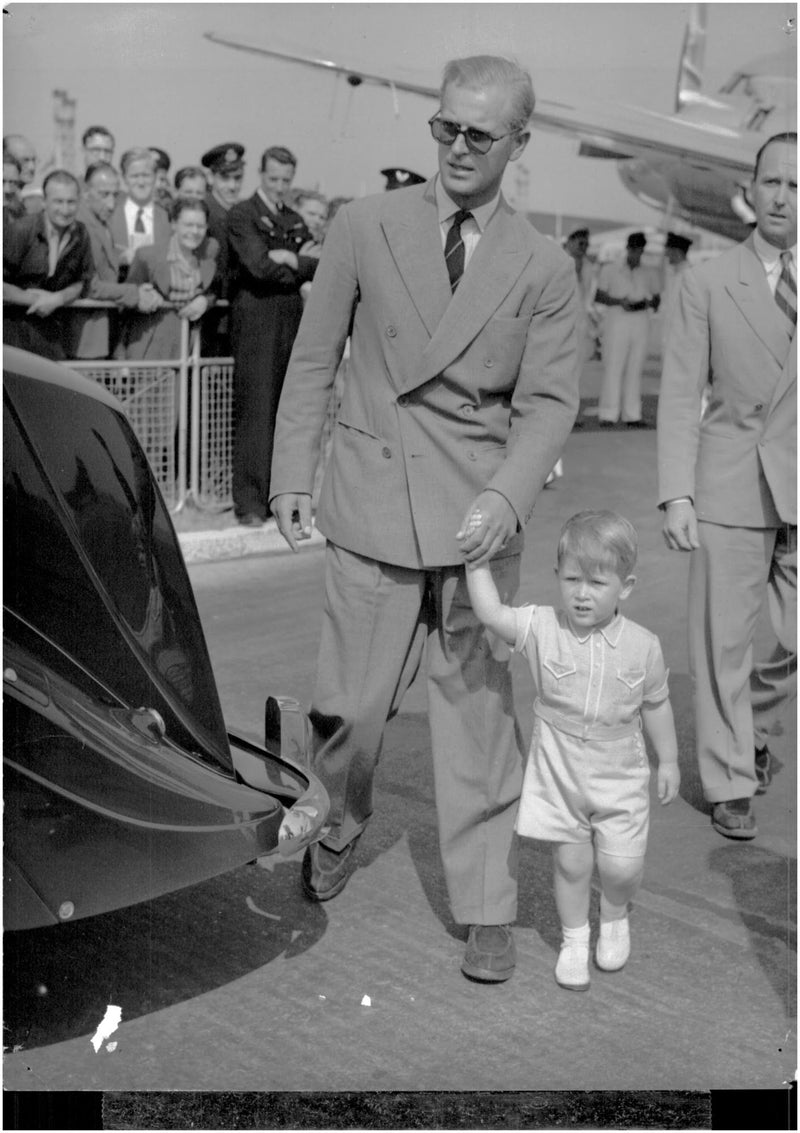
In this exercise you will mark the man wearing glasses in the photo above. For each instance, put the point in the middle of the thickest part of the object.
(461, 389)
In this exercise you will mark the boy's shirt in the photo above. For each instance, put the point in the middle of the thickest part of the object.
(599, 679)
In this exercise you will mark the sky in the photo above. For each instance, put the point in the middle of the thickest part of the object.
(146, 72)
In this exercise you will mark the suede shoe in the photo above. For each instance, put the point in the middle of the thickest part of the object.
(763, 769)
(491, 954)
(734, 818)
(325, 872)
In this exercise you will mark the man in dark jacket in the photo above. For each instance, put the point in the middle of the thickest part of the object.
(47, 264)
(268, 246)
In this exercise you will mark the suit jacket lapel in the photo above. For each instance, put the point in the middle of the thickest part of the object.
(751, 294)
(415, 243)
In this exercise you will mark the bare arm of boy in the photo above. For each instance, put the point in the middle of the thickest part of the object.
(487, 605)
(659, 725)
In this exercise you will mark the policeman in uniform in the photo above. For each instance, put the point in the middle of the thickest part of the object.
(225, 165)
(272, 254)
(675, 264)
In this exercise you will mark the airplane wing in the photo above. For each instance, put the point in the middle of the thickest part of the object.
(611, 130)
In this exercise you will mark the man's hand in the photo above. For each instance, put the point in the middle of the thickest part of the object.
(194, 309)
(311, 248)
(283, 256)
(43, 303)
(149, 299)
(488, 525)
(669, 780)
(292, 511)
(680, 526)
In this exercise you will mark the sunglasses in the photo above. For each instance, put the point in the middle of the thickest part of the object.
(477, 141)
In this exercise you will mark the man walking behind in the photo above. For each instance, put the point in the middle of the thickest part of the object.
(728, 486)
(461, 390)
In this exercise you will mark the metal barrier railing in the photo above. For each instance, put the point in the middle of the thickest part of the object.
(181, 410)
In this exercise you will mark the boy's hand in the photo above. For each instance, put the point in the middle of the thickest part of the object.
(669, 780)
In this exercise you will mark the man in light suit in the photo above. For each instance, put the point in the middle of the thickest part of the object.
(727, 484)
(460, 392)
(138, 219)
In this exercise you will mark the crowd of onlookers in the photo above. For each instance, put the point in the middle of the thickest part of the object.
(152, 246)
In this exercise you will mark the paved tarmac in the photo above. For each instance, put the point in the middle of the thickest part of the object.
(241, 984)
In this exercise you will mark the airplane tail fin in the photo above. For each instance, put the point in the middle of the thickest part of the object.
(690, 70)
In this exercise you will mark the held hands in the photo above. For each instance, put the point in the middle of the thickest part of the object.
(669, 780)
(680, 526)
(488, 525)
(292, 511)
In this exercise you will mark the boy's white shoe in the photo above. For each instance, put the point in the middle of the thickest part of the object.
(572, 966)
(613, 944)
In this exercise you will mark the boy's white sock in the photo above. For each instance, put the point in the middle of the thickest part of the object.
(572, 966)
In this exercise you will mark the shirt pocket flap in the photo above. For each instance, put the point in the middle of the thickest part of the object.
(559, 667)
(631, 677)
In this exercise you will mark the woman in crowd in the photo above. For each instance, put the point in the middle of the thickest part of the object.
(184, 273)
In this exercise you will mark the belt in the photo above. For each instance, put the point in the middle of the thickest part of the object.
(585, 731)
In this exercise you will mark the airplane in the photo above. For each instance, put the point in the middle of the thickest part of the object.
(693, 165)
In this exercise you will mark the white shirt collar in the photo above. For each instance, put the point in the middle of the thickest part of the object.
(768, 253)
(273, 208)
(447, 207)
(132, 207)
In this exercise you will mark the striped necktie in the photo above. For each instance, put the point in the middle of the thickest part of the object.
(786, 293)
(454, 249)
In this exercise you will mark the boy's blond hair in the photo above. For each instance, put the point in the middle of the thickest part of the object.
(599, 539)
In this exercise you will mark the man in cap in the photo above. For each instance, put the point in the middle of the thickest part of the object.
(401, 178)
(225, 165)
(675, 264)
(629, 290)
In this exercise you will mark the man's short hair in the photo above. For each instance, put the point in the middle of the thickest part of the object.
(187, 204)
(63, 177)
(280, 154)
(790, 138)
(599, 539)
(98, 167)
(9, 160)
(138, 153)
(92, 130)
(480, 71)
(190, 171)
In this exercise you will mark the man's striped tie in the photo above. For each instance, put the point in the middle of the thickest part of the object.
(786, 293)
(454, 249)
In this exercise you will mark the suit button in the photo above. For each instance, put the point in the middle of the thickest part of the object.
(472, 455)
(387, 452)
(403, 401)
(468, 410)
(758, 407)
(489, 363)
(391, 331)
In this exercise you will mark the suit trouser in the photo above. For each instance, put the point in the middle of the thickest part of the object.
(379, 620)
(738, 704)
(624, 353)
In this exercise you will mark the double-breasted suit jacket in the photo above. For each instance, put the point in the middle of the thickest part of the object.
(737, 462)
(446, 395)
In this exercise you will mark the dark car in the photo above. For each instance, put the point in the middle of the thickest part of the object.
(121, 781)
